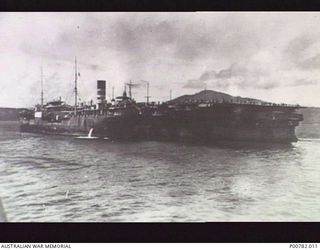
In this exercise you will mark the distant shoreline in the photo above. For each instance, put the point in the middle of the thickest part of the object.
(9, 114)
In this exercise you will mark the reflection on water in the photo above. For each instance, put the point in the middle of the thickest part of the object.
(52, 178)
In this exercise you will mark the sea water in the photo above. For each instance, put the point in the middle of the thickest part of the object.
(64, 179)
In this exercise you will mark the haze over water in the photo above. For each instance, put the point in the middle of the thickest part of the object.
(64, 179)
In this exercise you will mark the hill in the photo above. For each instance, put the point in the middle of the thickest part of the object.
(215, 96)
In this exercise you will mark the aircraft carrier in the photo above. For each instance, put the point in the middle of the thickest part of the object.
(207, 116)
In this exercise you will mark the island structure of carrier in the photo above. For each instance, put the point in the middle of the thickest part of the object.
(207, 116)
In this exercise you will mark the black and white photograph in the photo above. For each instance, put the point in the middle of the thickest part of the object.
(159, 116)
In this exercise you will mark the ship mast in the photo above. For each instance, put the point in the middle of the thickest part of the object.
(41, 86)
(147, 96)
(75, 86)
(130, 84)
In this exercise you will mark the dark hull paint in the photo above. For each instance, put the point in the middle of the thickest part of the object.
(207, 125)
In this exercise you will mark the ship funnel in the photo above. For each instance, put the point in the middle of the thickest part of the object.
(101, 94)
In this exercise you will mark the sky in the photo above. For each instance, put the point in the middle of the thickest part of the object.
(273, 56)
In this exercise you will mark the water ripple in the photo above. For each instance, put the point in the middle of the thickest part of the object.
(52, 178)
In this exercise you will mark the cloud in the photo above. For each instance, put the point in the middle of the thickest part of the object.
(195, 84)
(139, 43)
(303, 82)
(303, 52)
(249, 52)
(95, 67)
(241, 75)
(246, 79)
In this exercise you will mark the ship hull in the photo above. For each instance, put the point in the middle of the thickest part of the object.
(190, 134)
(206, 133)
(76, 125)
(207, 125)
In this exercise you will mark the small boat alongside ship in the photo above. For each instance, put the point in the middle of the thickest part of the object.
(207, 116)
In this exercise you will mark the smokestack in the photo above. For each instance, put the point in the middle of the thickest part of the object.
(101, 93)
